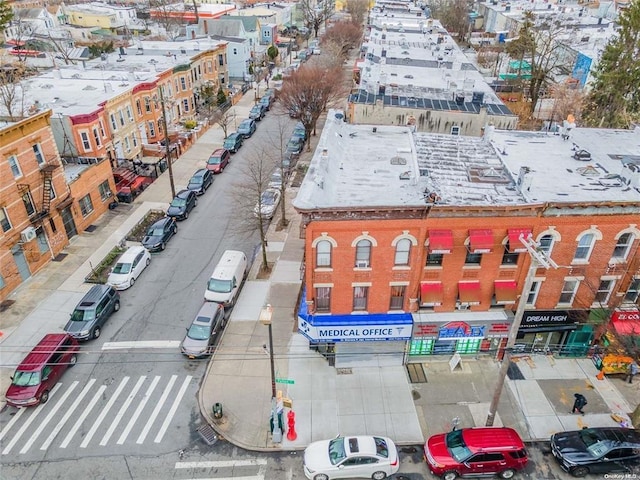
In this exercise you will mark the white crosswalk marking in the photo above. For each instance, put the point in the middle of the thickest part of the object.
(259, 476)
(222, 463)
(8, 426)
(67, 415)
(138, 411)
(104, 412)
(156, 411)
(122, 411)
(173, 409)
(28, 422)
(83, 417)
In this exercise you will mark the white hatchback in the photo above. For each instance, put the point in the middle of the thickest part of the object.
(351, 457)
(129, 267)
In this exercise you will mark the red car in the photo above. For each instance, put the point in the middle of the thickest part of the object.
(40, 370)
(475, 452)
(218, 160)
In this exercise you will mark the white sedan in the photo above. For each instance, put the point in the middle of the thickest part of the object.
(129, 267)
(351, 457)
(269, 201)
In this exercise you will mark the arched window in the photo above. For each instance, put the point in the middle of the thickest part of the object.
(403, 248)
(546, 244)
(323, 253)
(585, 246)
(363, 254)
(622, 246)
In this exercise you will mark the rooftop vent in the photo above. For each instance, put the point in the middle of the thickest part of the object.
(398, 161)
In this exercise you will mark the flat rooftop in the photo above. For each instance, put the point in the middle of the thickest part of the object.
(393, 167)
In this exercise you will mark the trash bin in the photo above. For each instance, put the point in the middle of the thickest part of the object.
(217, 410)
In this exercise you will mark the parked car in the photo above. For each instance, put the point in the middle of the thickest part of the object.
(233, 142)
(257, 112)
(218, 160)
(182, 204)
(247, 128)
(204, 329)
(267, 101)
(599, 450)
(299, 132)
(92, 312)
(474, 452)
(294, 146)
(227, 278)
(200, 181)
(129, 267)
(275, 180)
(41, 369)
(269, 201)
(351, 457)
(159, 234)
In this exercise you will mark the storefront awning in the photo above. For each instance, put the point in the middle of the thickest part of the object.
(515, 245)
(431, 293)
(626, 322)
(480, 241)
(506, 291)
(469, 292)
(440, 241)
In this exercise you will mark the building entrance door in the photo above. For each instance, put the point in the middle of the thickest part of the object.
(68, 222)
(21, 262)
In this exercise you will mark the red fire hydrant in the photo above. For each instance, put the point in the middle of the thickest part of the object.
(291, 422)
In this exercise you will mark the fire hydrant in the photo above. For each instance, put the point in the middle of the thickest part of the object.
(291, 422)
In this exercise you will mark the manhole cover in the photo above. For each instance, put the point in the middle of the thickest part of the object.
(344, 371)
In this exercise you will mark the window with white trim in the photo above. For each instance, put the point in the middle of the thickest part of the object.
(15, 166)
(86, 205)
(52, 192)
(604, 291)
(27, 199)
(183, 83)
(532, 296)
(585, 246)
(147, 104)
(37, 151)
(152, 129)
(633, 292)
(101, 124)
(127, 145)
(114, 124)
(4, 220)
(360, 296)
(397, 297)
(323, 253)
(86, 143)
(403, 249)
(129, 113)
(568, 292)
(185, 104)
(121, 115)
(623, 245)
(545, 244)
(363, 254)
(105, 190)
(96, 137)
(134, 140)
(434, 259)
(323, 299)
(138, 107)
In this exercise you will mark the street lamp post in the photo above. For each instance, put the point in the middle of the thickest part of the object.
(538, 259)
(266, 314)
(167, 142)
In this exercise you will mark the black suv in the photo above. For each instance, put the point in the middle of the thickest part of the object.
(92, 312)
(597, 450)
(182, 204)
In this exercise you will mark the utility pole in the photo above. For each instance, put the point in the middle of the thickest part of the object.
(167, 142)
(538, 259)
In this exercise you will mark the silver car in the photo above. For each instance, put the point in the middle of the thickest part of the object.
(209, 322)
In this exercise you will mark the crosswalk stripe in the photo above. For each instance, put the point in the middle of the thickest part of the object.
(138, 411)
(67, 415)
(28, 422)
(104, 412)
(222, 463)
(83, 416)
(156, 411)
(172, 410)
(141, 344)
(259, 476)
(122, 411)
(15, 418)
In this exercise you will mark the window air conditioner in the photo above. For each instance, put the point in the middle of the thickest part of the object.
(462, 306)
(363, 264)
(28, 234)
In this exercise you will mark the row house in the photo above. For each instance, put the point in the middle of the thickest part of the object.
(42, 203)
(421, 244)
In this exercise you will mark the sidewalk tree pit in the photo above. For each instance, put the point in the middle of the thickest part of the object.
(100, 273)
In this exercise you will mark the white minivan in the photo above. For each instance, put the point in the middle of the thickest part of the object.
(226, 280)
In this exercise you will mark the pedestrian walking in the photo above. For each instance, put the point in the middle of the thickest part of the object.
(579, 403)
(633, 370)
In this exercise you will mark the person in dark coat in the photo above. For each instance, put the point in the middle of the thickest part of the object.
(579, 403)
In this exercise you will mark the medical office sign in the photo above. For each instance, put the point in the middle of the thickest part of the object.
(354, 333)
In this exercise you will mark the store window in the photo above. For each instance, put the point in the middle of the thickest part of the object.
(323, 299)
(323, 253)
(403, 248)
(397, 297)
(421, 346)
(360, 296)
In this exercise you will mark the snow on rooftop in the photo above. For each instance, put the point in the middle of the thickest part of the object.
(357, 167)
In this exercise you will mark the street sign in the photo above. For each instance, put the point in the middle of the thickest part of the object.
(288, 381)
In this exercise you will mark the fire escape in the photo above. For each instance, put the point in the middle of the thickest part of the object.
(46, 171)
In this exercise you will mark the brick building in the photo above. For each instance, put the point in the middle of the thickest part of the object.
(414, 241)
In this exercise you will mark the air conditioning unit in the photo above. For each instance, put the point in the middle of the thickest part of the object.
(462, 306)
(28, 234)
(364, 264)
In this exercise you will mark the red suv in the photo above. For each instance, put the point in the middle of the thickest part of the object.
(218, 160)
(475, 452)
(38, 373)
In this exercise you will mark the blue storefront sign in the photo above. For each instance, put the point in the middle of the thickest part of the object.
(354, 328)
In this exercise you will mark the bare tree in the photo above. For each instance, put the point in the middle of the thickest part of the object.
(567, 100)
(454, 16)
(358, 10)
(6, 15)
(224, 119)
(168, 17)
(309, 91)
(340, 38)
(12, 95)
(313, 15)
(278, 141)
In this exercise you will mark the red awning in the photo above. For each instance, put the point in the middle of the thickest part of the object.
(469, 292)
(431, 293)
(515, 245)
(506, 291)
(440, 241)
(480, 241)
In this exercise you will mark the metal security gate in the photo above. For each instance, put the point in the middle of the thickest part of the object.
(21, 262)
(369, 354)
